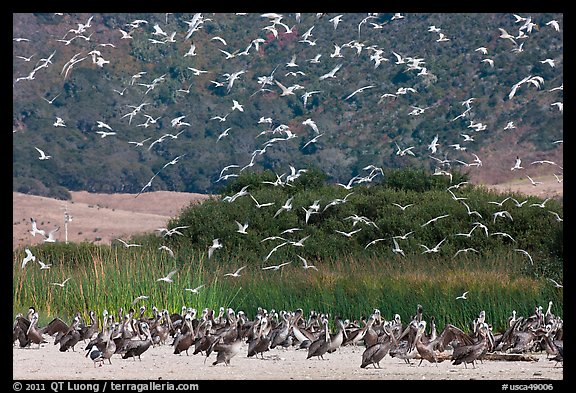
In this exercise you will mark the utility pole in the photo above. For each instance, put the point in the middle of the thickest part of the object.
(67, 219)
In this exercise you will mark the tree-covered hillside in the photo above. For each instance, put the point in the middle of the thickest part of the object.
(203, 91)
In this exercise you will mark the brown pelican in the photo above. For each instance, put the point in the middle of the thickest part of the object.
(33, 334)
(87, 331)
(186, 337)
(133, 348)
(281, 332)
(355, 336)
(337, 338)
(321, 345)
(226, 351)
(71, 337)
(260, 343)
(470, 353)
(373, 354)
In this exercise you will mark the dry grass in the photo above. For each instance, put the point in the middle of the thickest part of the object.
(97, 218)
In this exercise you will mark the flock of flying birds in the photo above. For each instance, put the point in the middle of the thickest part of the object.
(283, 81)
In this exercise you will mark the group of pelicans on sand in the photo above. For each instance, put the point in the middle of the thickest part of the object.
(225, 333)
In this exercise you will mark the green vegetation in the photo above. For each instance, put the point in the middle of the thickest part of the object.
(351, 279)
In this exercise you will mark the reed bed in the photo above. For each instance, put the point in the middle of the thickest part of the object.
(105, 277)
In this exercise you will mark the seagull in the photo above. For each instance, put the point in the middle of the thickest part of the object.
(195, 290)
(242, 228)
(287, 206)
(50, 101)
(464, 250)
(554, 24)
(215, 245)
(434, 219)
(62, 283)
(503, 234)
(140, 143)
(338, 18)
(35, 229)
(312, 124)
(534, 183)
(434, 144)
(358, 91)
(43, 155)
(138, 298)
(306, 265)
(274, 249)
(402, 207)
(127, 245)
(50, 238)
(541, 205)
(510, 125)
(374, 242)
(276, 267)
(404, 236)
(550, 62)
(503, 213)
(29, 257)
(300, 243)
(167, 249)
(436, 248)
(168, 277)
(517, 164)
(313, 140)
(236, 273)
(482, 49)
(556, 215)
(347, 234)
(237, 105)
(525, 253)
(332, 73)
(104, 134)
(260, 205)
(555, 283)
(397, 248)
(463, 296)
(44, 266)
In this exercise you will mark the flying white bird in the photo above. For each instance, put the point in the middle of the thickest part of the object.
(434, 144)
(50, 237)
(43, 155)
(138, 298)
(215, 245)
(128, 245)
(62, 283)
(276, 267)
(534, 183)
(397, 248)
(436, 248)
(402, 207)
(195, 290)
(29, 257)
(434, 219)
(236, 273)
(242, 228)
(35, 229)
(525, 253)
(332, 73)
(168, 277)
(463, 296)
(517, 164)
(306, 265)
(167, 249)
(43, 266)
(358, 91)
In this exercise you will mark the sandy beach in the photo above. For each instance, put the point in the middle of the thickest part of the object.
(160, 363)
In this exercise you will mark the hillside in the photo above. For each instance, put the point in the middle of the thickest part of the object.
(100, 218)
(379, 87)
